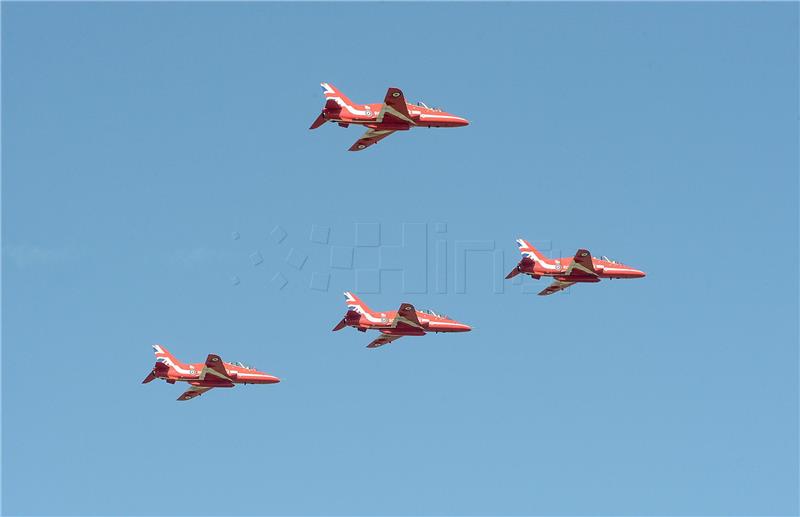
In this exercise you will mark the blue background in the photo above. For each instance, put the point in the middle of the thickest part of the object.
(138, 138)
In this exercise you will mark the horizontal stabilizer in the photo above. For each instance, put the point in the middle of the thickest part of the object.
(318, 121)
(526, 264)
(339, 326)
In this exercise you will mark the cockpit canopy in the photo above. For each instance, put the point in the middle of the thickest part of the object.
(433, 313)
(242, 365)
(603, 257)
(423, 105)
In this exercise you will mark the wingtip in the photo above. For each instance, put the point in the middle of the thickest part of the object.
(339, 326)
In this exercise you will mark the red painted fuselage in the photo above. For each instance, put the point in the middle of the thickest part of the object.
(214, 373)
(581, 268)
(381, 119)
(406, 321)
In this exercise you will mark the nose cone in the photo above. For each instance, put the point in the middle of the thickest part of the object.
(462, 327)
(450, 120)
(270, 379)
(638, 274)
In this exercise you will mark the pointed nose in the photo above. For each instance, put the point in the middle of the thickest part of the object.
(464, 328)
(638, 274)
(451, 120)
(271, 379)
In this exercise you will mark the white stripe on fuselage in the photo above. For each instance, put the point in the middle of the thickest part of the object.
(169, 362)
(350, 108)
(546, 265)
(245, 374)
(440, 116)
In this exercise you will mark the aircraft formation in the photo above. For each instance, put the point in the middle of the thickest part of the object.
(381, 120)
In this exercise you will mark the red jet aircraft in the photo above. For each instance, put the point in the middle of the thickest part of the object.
(582, 268)
(214, 373)
(406, 321)
(381, 120)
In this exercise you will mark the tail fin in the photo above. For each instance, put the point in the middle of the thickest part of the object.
(335, 94)
(354, 304)
(527, 250)
(165, 356)
(335, 100)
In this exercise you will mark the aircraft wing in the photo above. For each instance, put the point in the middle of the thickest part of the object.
(555, 287)
(385, 339)
(394, 104)
(372, 136)
(194, 391)
(407, 316)
(215, 368)
(581, 265)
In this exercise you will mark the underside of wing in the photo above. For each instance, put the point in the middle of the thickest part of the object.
(385, 339)
(371, 137)
(395, 107)
(581, 265)
(214, 368)
(555, 287)
(407, 315)
(194, 391)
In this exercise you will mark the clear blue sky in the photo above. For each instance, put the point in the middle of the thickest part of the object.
(138, 138)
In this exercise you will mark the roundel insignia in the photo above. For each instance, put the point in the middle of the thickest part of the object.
(361, 146)
(395, 94)
(584, 254)
(215, 359)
